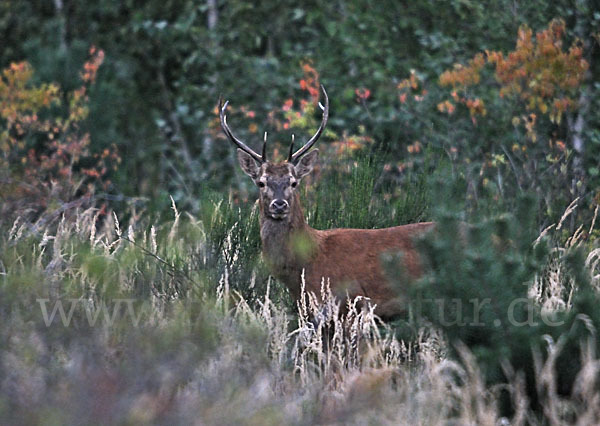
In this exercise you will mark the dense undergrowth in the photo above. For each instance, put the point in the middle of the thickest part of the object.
(108, 321)
(132, 289)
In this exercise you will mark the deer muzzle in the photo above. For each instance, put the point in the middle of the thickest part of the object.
(279, 208)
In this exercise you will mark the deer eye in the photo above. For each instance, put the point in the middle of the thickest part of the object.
(261, 184)
(294, 184)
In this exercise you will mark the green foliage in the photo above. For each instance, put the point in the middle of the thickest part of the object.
(491, 261)
(133, 317)
(45, 159)
(370, 197)
(477, 290)
(168, 62)
(400, 147)
(233, 237)
(370, 201)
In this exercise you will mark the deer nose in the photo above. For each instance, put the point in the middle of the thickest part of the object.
(279, 206)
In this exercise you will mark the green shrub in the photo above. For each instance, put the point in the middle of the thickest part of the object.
(477, 291)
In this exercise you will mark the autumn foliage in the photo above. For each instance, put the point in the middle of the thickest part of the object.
(298, 117)
(539, 72)
(516, 102)
(44, 153)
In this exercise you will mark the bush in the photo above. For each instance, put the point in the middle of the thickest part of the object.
(45, 162)
(478, 292)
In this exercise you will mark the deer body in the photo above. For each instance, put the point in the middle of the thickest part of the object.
(348, 259)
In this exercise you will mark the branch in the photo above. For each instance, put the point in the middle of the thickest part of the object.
(512, 166)
(174, 120)
(172, 267)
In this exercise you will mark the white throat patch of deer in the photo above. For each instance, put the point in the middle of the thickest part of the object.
(349, 259)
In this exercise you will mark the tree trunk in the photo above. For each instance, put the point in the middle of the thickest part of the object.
(60, 11)
(213, 14)
(576, 123)
(211, 23)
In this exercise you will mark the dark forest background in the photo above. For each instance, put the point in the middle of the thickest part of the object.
(165, 64)
(132, 288)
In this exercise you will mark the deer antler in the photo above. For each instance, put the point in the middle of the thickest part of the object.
(259, 158)
(291, 154)
(294, 158)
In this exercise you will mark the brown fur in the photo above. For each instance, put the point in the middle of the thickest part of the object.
(349, 259)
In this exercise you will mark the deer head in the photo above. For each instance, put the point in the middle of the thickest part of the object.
(277, 182)
(298, 255)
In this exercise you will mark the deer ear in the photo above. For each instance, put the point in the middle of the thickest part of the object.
(248, 164)
(307, 163)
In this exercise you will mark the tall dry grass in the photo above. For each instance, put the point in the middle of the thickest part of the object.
(202, 353)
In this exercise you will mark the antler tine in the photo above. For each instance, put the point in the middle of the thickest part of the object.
(264, 149)
(296, 156)
(236, 141)
(291, 150)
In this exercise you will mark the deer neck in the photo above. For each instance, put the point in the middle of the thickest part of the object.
(287, 244)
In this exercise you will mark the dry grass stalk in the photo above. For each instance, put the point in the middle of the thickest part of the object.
(329, 368)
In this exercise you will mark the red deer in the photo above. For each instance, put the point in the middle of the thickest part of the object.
(350, 259)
